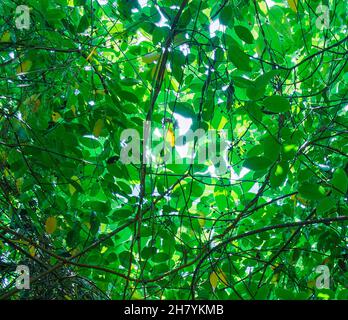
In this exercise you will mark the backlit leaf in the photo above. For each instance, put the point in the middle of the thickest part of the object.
(151, 57)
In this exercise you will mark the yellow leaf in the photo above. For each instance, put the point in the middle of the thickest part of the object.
(293, 5)
(51, 225)
(136, 295)
(72, 189)
(213, 280)
(56, 116)
(275, 278)
(201, 221)
(170, 137)
(93, 52)
(179, 39)
(104, 249)
(6, 172)
(101, 92)
(301, 200)
(153, 72)
(75, 252)
(311, 284)
(222, 123)
(19, 183)
(151, 57)
(276, 265)
(6, 37)
(37, 104)
(21, 242)
(222, 277)
(263, 7)
(175, 84)
(87, 224)
(33, 101)
(117, 29)
(24, 67)
(3, 155)
(296, 197)
(32, 251)
(98, 127)
(102, 227)
(324, 296)
(73, 109)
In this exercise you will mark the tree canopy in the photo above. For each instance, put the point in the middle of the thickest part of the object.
(75, 74)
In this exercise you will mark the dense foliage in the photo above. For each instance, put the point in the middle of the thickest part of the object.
(274, 74)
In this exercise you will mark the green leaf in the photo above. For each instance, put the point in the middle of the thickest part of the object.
(238, 57)
(311, 191)
(256, 89)
(125, 258)
(257, 163)
(242, 82)
(271, 147)
(77, 86)
(277, 104)
(244, 34)
(129, 96)
(226, 15)
(265, 78)
(340, 181)
(94, 223)
(184, 109)
(73, 236)
(285, 294)
(54, 15)
(279, 174)
(325, 205)
(84, 24)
